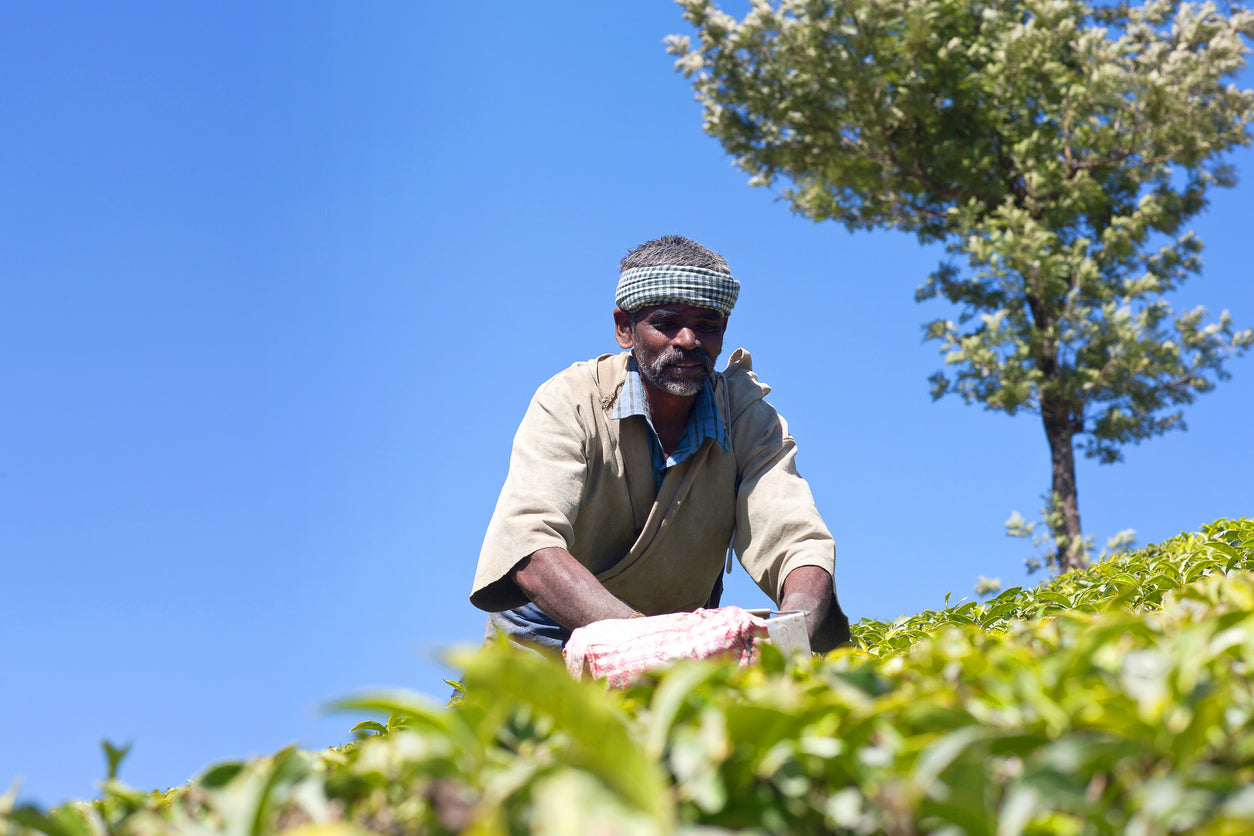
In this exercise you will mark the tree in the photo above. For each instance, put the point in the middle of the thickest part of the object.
(1057, 148)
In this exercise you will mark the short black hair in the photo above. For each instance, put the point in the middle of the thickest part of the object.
(674, 249)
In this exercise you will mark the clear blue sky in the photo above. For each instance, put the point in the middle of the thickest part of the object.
(276, 283)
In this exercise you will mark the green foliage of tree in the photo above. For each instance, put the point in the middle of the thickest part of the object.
(1057, 148)
(1113, 700)
(1017, 526)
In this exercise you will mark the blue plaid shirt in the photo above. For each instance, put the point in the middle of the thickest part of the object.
(705, 421)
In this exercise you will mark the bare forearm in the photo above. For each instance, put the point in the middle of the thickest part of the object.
(564, 588)
(810, 588)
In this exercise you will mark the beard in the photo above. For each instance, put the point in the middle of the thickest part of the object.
(663, 373)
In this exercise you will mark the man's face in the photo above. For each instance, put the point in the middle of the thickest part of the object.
(675, 345)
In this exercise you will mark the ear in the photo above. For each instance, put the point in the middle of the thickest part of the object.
(622, 329)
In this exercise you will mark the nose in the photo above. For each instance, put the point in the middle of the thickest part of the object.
(686, 339)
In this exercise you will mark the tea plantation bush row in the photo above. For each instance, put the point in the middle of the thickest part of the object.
(1117, 700)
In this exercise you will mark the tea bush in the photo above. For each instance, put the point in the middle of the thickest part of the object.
(1118, 699)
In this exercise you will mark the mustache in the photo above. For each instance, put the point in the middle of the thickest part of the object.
(674, 355)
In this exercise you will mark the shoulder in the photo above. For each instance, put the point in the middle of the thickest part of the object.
(587, 380)
(743, 387)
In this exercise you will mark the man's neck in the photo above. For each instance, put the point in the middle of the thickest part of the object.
(669, 414)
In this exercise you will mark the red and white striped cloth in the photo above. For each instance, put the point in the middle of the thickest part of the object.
(620, 649)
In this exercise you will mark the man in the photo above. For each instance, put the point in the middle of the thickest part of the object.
(632, 473)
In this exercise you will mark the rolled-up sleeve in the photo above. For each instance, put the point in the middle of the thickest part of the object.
(778, 527)
(540, 499)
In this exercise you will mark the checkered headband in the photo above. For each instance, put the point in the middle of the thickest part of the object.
(641, 286)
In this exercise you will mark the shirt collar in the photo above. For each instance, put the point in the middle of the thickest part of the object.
(704, 421)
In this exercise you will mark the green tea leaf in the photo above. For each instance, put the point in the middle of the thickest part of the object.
(603, 743)
(114, 756)
(220, 774)
(369, 726)
(676, 686)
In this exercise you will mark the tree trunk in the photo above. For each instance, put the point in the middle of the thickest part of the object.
(1069, 540)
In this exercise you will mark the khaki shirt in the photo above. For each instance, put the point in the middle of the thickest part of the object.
(582, 481)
